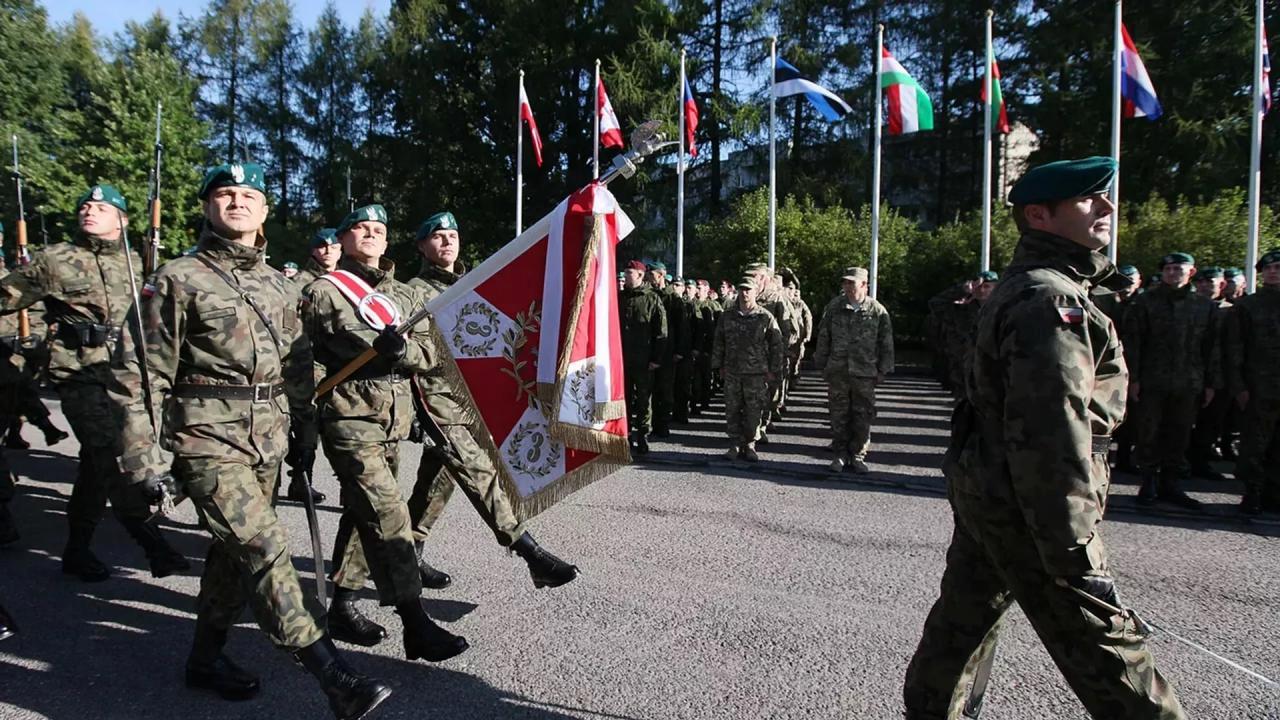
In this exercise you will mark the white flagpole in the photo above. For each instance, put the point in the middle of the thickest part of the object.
(1255, 157)
(987, 112)
(1118, 50)
(773, 155)
(680, 175)
(595, 113)
(875, 168)
(520, 157)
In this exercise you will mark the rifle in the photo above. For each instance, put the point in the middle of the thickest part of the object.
(151, 259)
(24, 321)
(351, 202)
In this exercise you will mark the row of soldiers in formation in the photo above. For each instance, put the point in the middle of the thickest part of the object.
(201, 387)
(1198, 348)
(679, 343)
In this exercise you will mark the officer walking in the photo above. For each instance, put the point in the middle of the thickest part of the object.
(644, 340)
(1254, 380)
(747, 352)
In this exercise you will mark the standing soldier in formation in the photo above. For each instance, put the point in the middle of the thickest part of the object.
(86, 290)
(706, 311)
(644, 340)
(362, 422)
(1211, 284)
(854, 352)
(1235, 284)
(674, 350)
(289, 270)
(1254, 380)
(795, 353)
(1027, 471)
(769, 297)
(1171, 345)
(957, 322)
(325, 252)
(682, 382)
(1125, 286)
(227, 359)
(747, 352)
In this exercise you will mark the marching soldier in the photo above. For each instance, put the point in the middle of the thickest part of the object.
(1027, 470)
(29, 355)
(747, 352)
(325, 251)
(227, 359)
(85, 286)
(644, 339)
(958, 320)
(1254, 367)
(362, 422)
(854, 352)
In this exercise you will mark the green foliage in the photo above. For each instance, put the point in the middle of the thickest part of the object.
(1215, 233)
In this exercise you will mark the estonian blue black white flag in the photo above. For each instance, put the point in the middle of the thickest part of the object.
(788, 81)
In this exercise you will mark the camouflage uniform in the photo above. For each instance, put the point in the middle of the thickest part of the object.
(227, 389)
(854, 349)
(780, 308)
(1028, 485)
(682, 388)
(1116, 308)
(747, 345)
(958, 323)
(1210, 419)
(310, 272)
(795, 353)
(1253, 343)
(644, 341)
(679, 342)
(936, 330)
(705, 322)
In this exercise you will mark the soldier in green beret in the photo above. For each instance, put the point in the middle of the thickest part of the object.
(325, 251)
(1027, 469)
(1235, 284)
(678, 345)
(1210, 284)
(706, 312)
(643, 318)
(1254, 381)
(289, 270)
(1114, 297)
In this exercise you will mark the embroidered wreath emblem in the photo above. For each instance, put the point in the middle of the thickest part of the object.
(475, 329)
(518, 357)
(582, 391)
(531, 452)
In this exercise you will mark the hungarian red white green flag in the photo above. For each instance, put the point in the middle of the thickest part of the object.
(909, 107)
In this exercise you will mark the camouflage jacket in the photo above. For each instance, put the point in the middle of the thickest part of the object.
(1253, 344)
(376, 403)
(806, 321)
(83, 281)
(705, 312)
(310, 272)
(644, 327)
(747, 342)
(958, 327)
(444, 401)
(679, 329)
(855, 339)
(780, 308)
(1171, 340)
(199, 330)
(1047, 386)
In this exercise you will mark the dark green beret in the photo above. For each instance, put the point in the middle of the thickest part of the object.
(988, 276)
(368, 213)
(668, 277)
(323, 237)
(248, 175)
(291, 265)
(1, 227)
(440, 221)
(1, 253)
(1127, 270)
(1177, 258)
(1063, 180)
(103, 193)
(1272, 256)
(1232, 273)
(656, 265)
(1209, 272)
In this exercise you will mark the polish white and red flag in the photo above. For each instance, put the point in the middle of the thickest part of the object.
(526, 114)
(533, 333)
(610, 130)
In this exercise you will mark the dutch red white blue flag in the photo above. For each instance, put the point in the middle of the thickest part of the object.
(1137, 94)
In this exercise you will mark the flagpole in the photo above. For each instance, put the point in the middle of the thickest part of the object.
(875, 167)
(987, 112)
(680, 175)
(773, 155)
(519, 159)
(1117, 51)
(595, 111)
(1255, 156)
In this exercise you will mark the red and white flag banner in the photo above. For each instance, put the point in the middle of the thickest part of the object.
(534, 336)
(610, 129)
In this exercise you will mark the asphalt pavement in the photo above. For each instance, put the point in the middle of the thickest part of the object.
(710, 589)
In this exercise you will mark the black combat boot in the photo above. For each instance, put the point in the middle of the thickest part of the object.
(1147, 493)
(209, 669)
(431, 577)
(8, 531)
(351, 695)
(165, 561)
(298, 488)
(8, 628)
(13, 439)
(348, 624)
(79, 560)
(52, 435)
(1171, 493)
(546, 569)
(1206, 471)
(423, 639)
(1251, 503)
(642, 445)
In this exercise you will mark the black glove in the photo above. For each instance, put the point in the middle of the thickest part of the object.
(156, 486)
(1102, 587)
(390, 345)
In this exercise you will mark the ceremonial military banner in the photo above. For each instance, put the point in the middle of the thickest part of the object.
(533, 333)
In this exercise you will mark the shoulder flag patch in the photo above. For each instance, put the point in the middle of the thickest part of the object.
(148, 289)
(1071, 315)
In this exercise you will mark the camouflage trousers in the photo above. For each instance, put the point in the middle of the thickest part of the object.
(467, 464)
(682, 389)
(777, 392)
(664, 393)
(91, 415)
(851, 403)
(1207, 430)
(7, 488)
(639, 400)
(1163, 425)
(746, 400)
(375, 537)
(993, 562)
(702, 380)
(248, 562)
(1259, 462)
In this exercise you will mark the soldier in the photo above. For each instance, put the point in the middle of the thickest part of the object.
(747, 352)
(937, 327)
(957, 322)
(1235, 284)
(223, 345)
(797, 351)
(362, 422)
(1211, 284)
(706, 311)
(325, 251)
(1254, 367)
(1227, 441)
(1027, 470)
(644, 339)
(29, 355)
(1125, 286)
(854, 351)
(85, 286)
(290, 270)
(1171, 345)
(675, 349)
(770, 296)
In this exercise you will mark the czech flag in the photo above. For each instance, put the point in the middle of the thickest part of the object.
(690, 119)
(1138, 95)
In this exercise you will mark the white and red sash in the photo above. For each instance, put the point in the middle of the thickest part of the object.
(376, 309)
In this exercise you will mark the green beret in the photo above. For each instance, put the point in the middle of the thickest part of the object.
(1, 253)
(248, 175)
(103, 193)
(1177, 258)
(1272, 256)
(323, 237)
(1, 227)
(668, 277)
(1209, 272)
(291, 265)
(988, 276)
(655, 265)
(1232, 273)
(440, 221)
(1127, 270)
(1064, 179)
(368, 213)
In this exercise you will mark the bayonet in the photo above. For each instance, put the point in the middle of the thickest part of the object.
(151, 259)
(24, 320)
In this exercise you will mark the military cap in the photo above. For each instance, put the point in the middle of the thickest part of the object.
(757, 267)
(668, 276)
(1209, 272)
(368, 213)
(621, 275)
(291, 265)
(854, 273)
(1, 253)
(248, 175)
(1127, 270)
(746, 281)
(440, 221)
(988, 276)
(635, 265)
(656, 265)
(1272, 256)
(323, 237)
(1063, 179)
(678, 281)
(103, 193)
(1232, 273)
(1177, 258)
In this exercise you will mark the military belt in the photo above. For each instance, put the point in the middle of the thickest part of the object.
(87, 335)
(1101, 444)
(257, 393)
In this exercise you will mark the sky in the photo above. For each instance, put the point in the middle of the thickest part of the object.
(109, 18)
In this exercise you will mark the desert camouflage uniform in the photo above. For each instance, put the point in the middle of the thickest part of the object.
(644, 340)
(1253, 343)
(854, 349)
(780, 308)
(1028, 482)
(202, 338)
(795, 353)
(747, 345)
